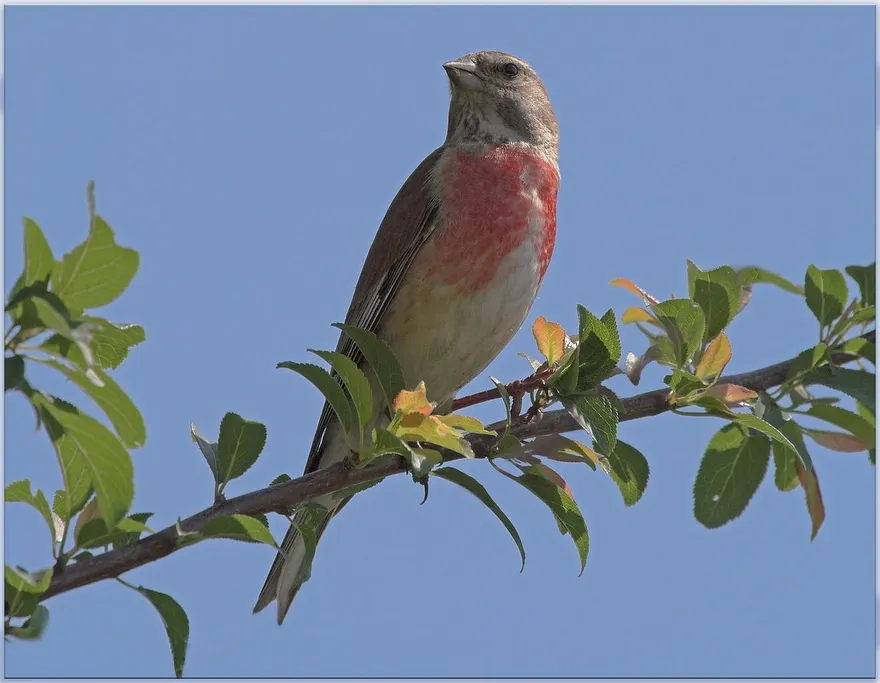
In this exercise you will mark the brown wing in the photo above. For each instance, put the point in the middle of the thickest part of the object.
(409, 221)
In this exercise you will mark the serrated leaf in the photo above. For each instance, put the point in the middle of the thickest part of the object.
(81, 440)
(239, 528)
(858, 384)
(731, 471)
(208, 450)
(119, 408)
(826, 293)
(133, 526)
(753, 274)
(40, 309)
(550, 339)
(715, 358)
(531, 361)
(717, 292)
(684, 324)
(33, 628)
(94, 533)
(784, 459)
(866, 279)
(355, 382)
(176, 625)
(13, 369)
(630, 471)
(110, 343)
(240, 444)
(381, 359)
(20, 492)
(597, 416)
(329, 387)
(415, 401)
(96, 271)
(38, 257)
(281, 478)
(683, 383)
(565, 510)
(815, 506)
(597, 353)
(474, 487)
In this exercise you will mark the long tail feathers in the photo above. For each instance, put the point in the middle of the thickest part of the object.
(292, 566)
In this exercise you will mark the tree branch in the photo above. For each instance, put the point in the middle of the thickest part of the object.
(282, 496)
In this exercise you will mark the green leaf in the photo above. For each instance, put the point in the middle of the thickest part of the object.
(38, 258)
(683, 383)
(731, 471)
(753, 274)
(826, 293)
(854, 424)
(281, 478)
(96, 271)
(630, 471)
(176, 625)
(566, 512)
(209, 451)
(80, 438)
(20, 492)
(241, 442)
(33, 628)
(756, 423)
(328, 386)
(866, 279)
(355, 382)
(597, 416)
(598, 349)
(110, 343)
(119, 408)
(717, 292)
(40, 309)
(133, 526)
(856, 383)
(683, 321)
(505, 397)
(95, 533)
(23, 590)
(784, 460)
(238, 528)
(809, 359)
(381, 359)
(862, 348)
(13, 368)
(473, 486)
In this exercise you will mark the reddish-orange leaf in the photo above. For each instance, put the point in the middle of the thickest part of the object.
(716, 357)
(731, 394)
(815, 506)
(415, 401)
(838, 441)
(629, 285)
(550, 338)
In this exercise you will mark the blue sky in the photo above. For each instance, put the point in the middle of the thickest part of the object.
(249, 154)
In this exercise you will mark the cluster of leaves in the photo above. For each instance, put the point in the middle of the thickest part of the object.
(688, 336)
(51, 323)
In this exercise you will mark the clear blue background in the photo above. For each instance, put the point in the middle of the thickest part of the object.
(249, 154)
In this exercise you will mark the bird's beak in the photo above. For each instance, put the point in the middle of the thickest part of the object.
(463, 74)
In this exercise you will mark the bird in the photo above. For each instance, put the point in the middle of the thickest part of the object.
(456, 263)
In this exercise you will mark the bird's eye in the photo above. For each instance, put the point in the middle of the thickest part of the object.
(510, 69)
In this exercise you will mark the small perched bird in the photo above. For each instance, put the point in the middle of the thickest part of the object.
(457, 261)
